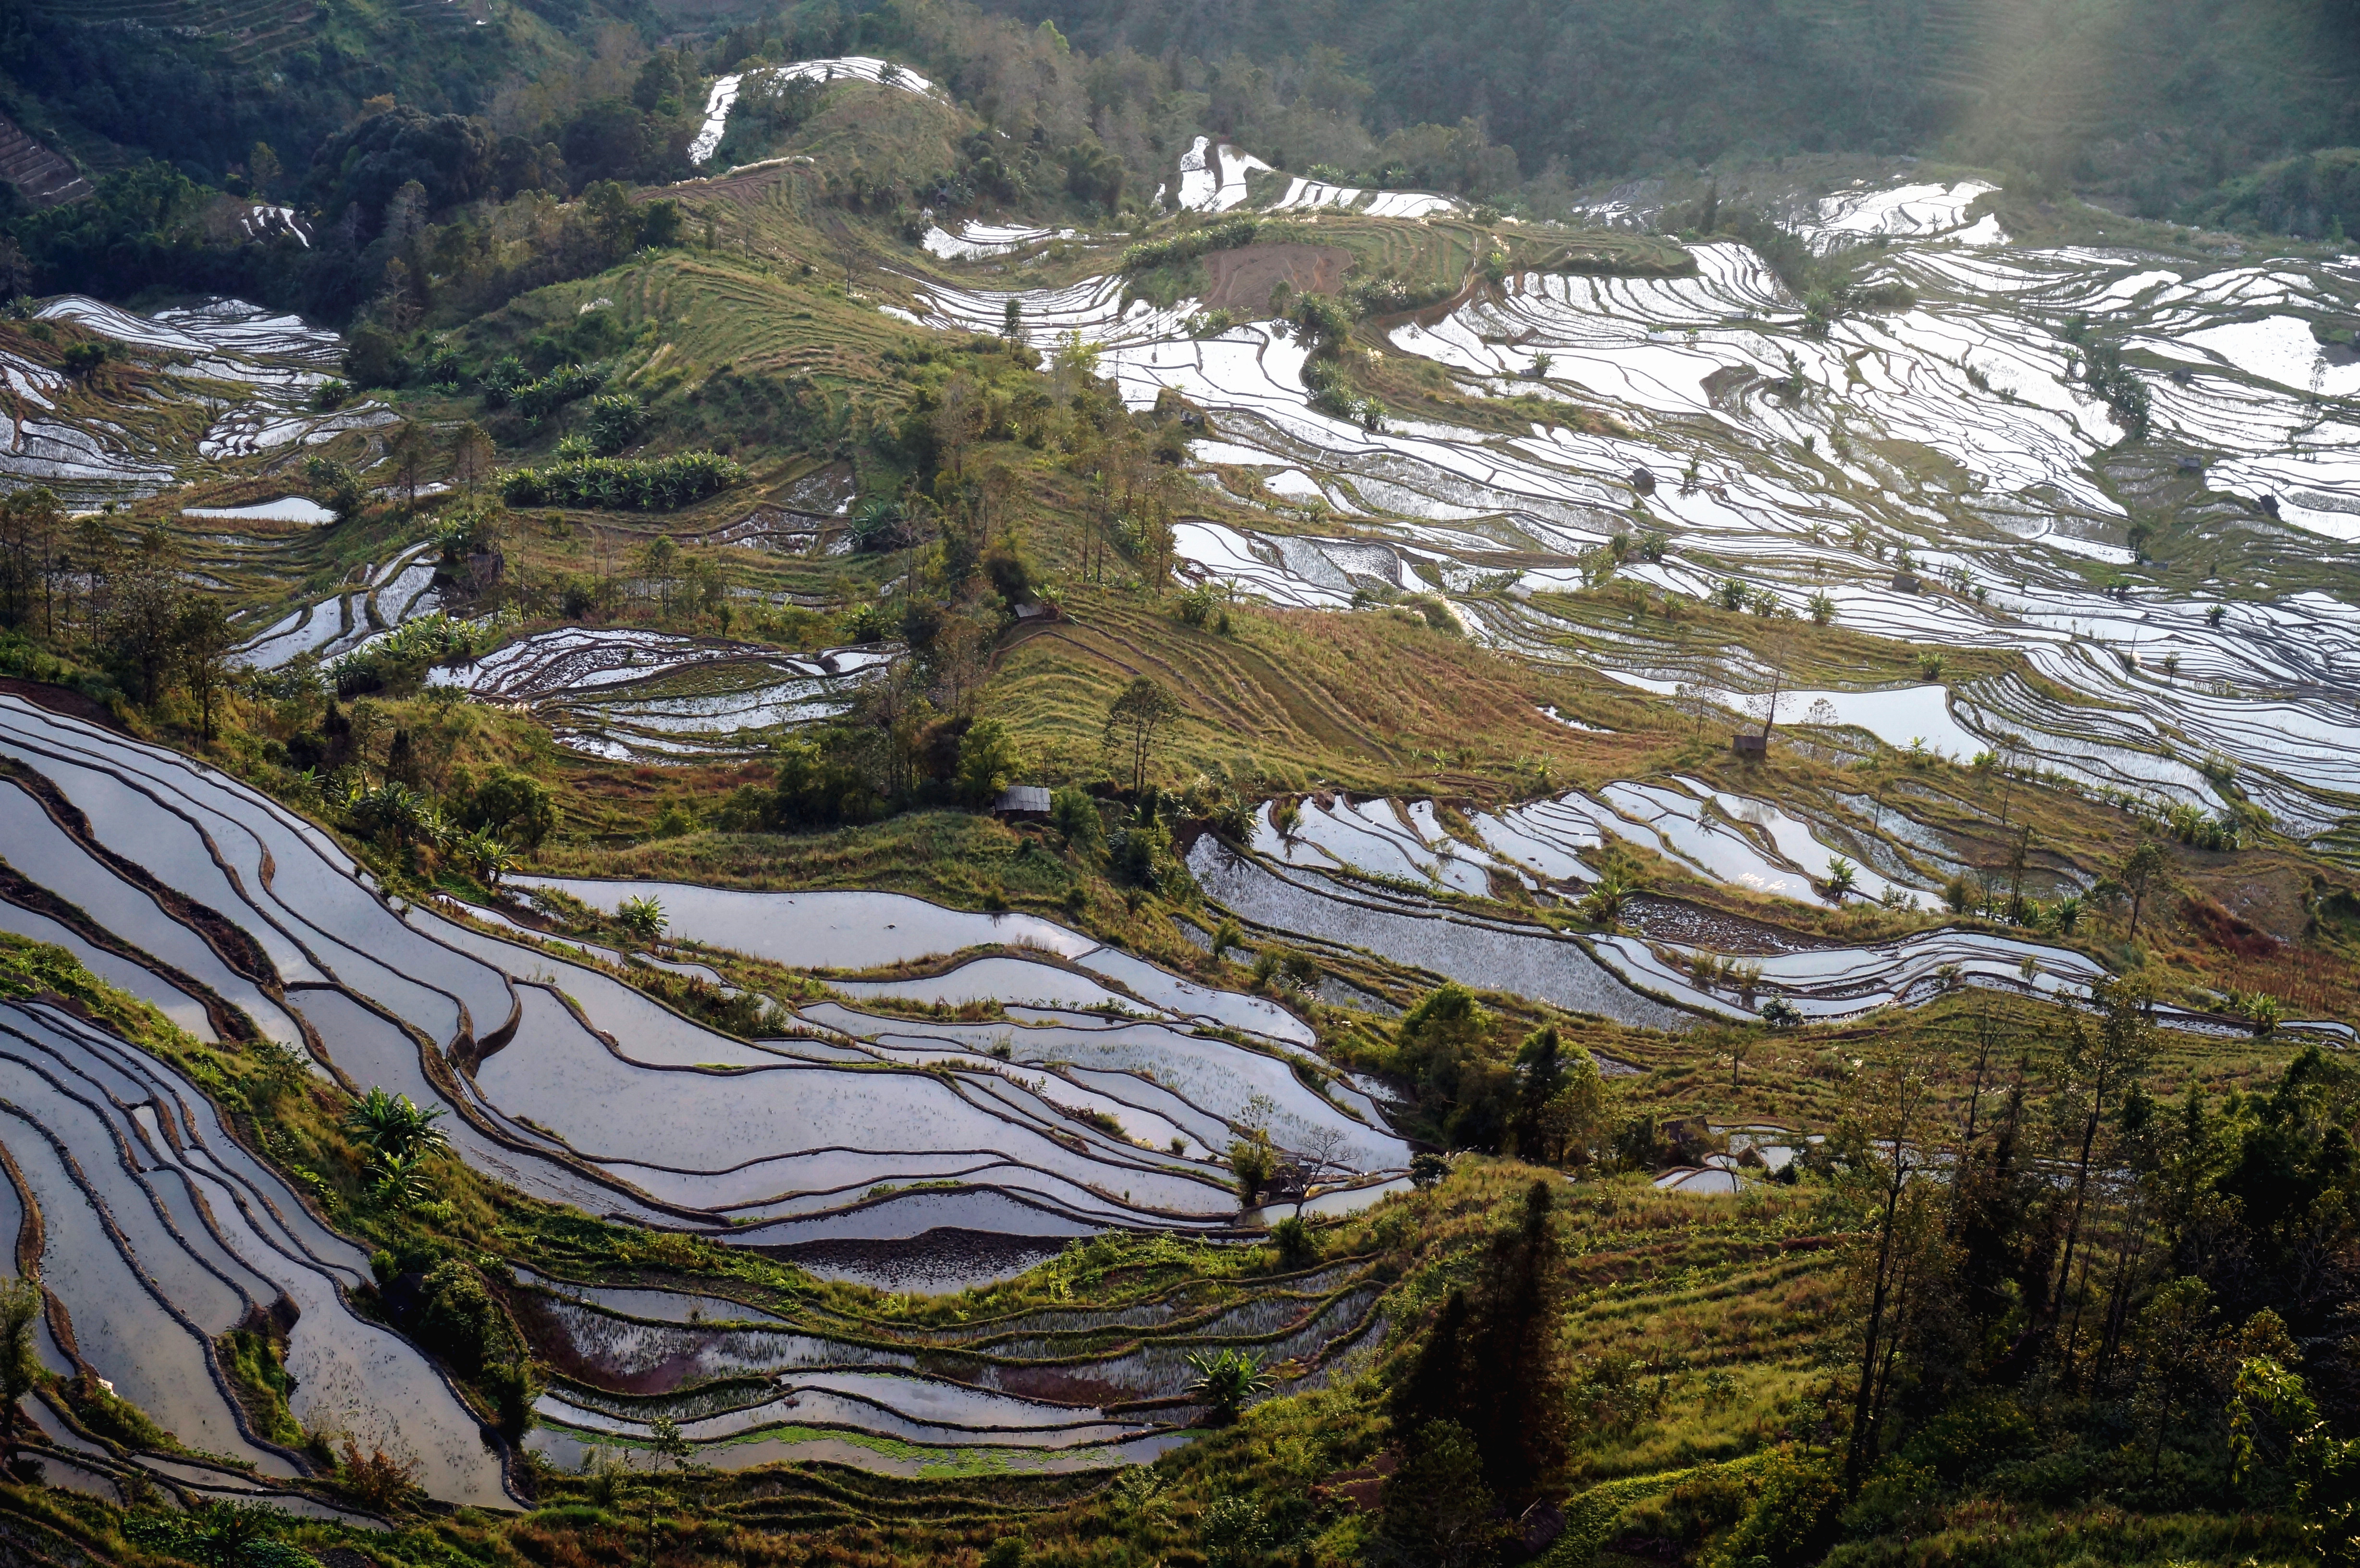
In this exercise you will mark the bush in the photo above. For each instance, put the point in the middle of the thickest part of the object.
(1793, 1516)
(1075, 815)
(623, 483)
(516, 806)
(374, 359)
(566, 384)
(1228, 235)
(501, 382)
(615, 421)
(821, 783)
(1293, 1240)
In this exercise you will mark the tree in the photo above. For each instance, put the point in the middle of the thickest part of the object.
(658, 561)
(848, 254)
(335, 487)
(1540, 1075)
(2138, 874)
(1012, 321)
(145, 605)
(472, 456)
(515, 805)
(1891, 1141)
(665, 1446)
(412, 454)
(1252, 1162)
(1143, 711)
(987, 761)
(2098, 1069)
(262, 169)
(202, 641)
(961, 660)
(2324, 1467)
(1842, 875)
(29, 521)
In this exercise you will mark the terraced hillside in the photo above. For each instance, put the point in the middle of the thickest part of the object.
(1321, 877)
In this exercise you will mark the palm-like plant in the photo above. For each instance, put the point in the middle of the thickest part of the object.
(395, 813)
(1842, 875)
(482, 852)
(643, 918)
(1225, 1382)
(401, 1181)
(393, 1128)
(1604, 903)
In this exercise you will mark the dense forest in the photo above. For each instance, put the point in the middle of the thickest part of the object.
(2187, 110)
(2155, 102)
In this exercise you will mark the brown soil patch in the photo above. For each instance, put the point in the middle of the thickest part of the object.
(1240, 280)
(63, 700)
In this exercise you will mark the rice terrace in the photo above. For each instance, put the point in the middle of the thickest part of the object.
(1115, 784)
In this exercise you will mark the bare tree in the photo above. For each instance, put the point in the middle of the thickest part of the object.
(472, 456)
(412, 454)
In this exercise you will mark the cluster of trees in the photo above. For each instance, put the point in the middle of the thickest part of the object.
(1105, 129)
(75, 586)
(2066, 1286)
(185, 87)
(1547, 1103)
(442, 1298)
(622, 483)
(1598, 90)
(397, 784)
(2315, 195)
(2059, 1288)
(896, 750)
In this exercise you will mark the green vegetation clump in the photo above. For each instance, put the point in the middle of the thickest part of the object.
(564, 385)
(632, 484)
(1228, 235)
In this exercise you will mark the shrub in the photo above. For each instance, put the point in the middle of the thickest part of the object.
(615, 421)
(456, 1317)
(1073, 812)
(1228, 235)
(1293, 1240)
(1796, 1498)
(623, 483)
(566, 384)
(500, 382)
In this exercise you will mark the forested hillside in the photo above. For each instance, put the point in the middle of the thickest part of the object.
(2153, 103)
